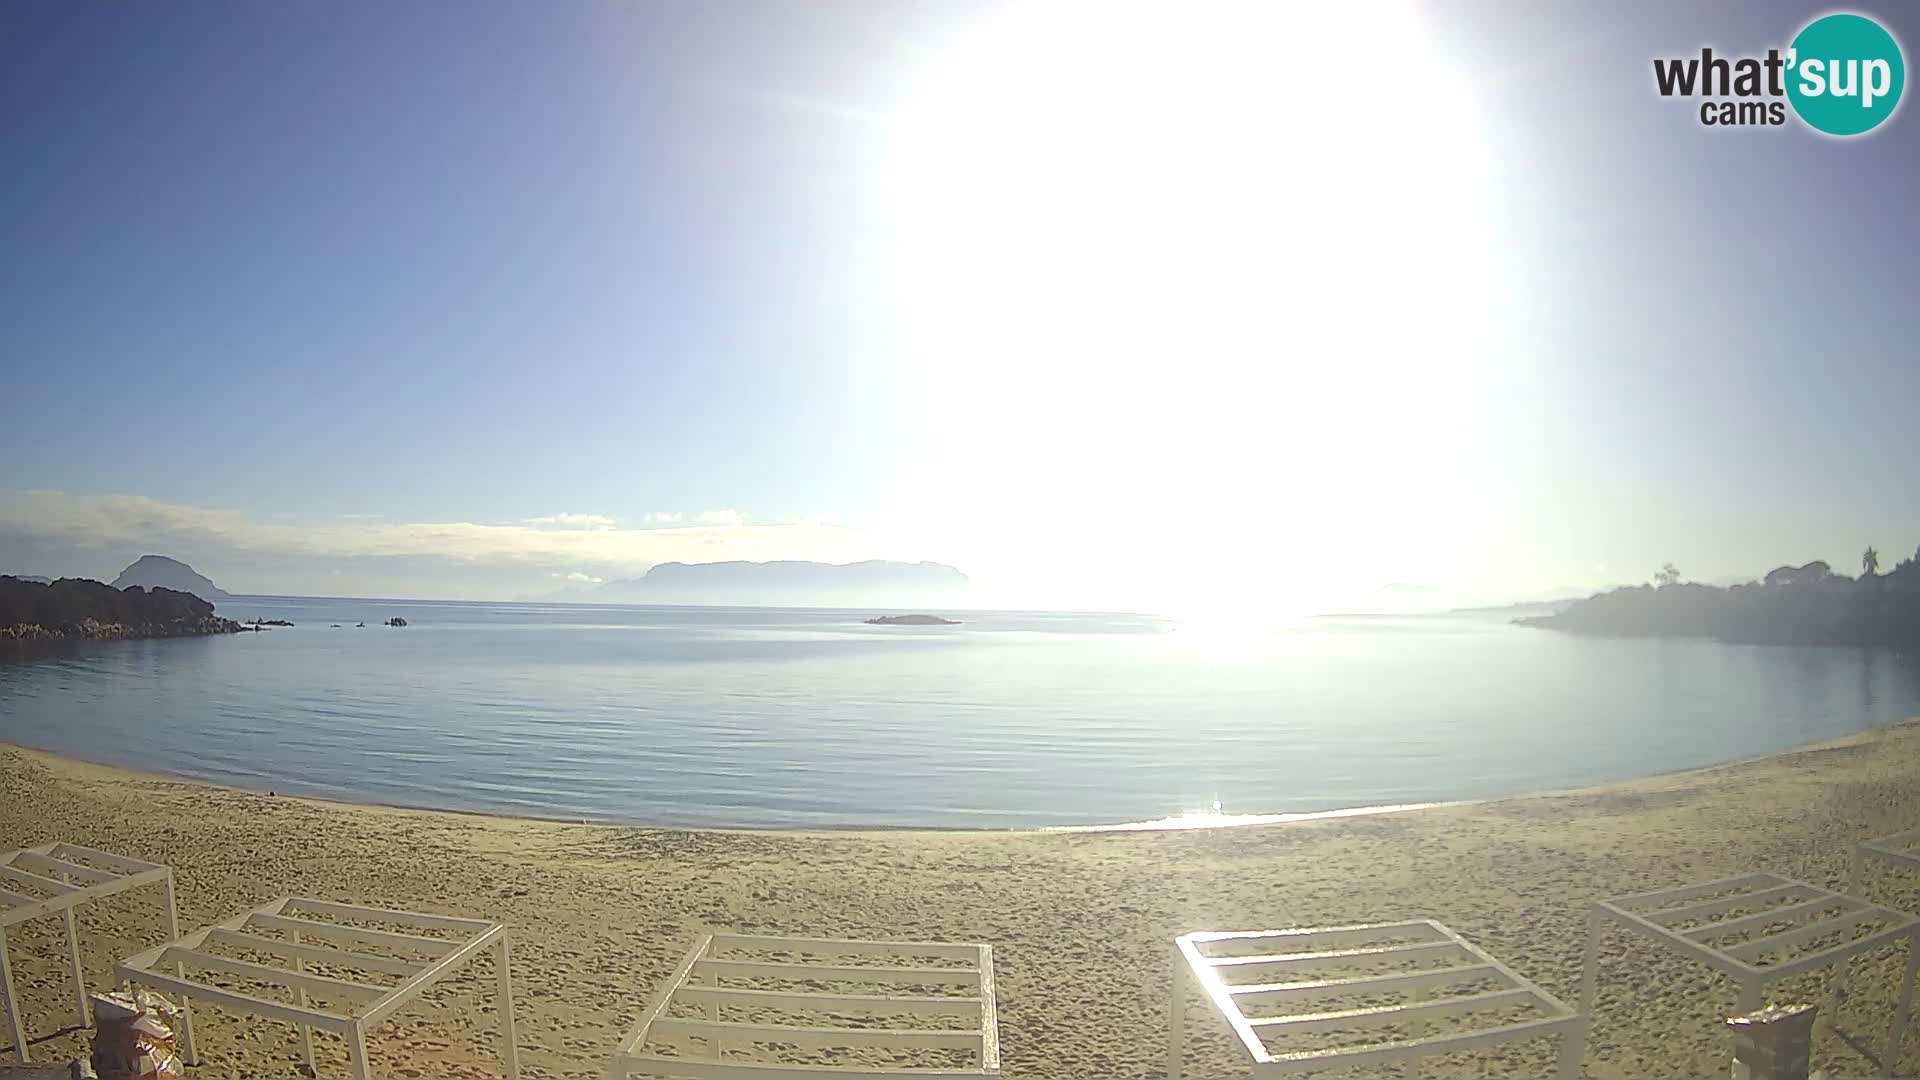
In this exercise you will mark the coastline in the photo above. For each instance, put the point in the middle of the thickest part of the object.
(1188, 822)
(1192, 821)
(1081, 920)
(106, 771)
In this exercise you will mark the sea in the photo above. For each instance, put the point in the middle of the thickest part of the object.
(812, 719)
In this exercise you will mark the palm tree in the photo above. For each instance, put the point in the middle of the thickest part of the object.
(1869, 562)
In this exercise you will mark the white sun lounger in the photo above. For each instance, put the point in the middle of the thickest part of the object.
(1273, 982)
(1901, 850)
(735, 998)
(1759, 928)
(55, 879)
(299, 931)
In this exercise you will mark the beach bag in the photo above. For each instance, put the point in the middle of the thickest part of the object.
(133, 1036)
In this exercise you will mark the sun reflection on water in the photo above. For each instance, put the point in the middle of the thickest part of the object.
(1216, 818)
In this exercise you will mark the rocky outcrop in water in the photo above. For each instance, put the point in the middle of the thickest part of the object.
(82, 608)
(912, 620)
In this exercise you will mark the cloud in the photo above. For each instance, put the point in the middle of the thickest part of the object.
(703, 517)
(585, 579)
(571, 521)
(97, 534)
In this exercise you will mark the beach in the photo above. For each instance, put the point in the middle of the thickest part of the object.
(1081, 922)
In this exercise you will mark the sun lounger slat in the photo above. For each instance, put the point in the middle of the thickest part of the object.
(1378, 1015)
(1634, 901)
(1669, 916)
(1325, 935)
(401, 994)
(22, 877)
(1899, 843)
(1425, 948)
(203, 961)
(1749, 922)
(353, 935)
(419, 920)
(816, 1037)
(989, 1018)
(1323, 988)
(1753, 950)
(317, 953)
(1400, 1050)
(896, 976)
(51, 865)
(1814, 960)
(864, 1004)
(273, 1010)
(846, 946)
(732, 1069)
(106, 858)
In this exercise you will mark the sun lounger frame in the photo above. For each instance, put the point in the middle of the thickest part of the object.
(1324, 947)
(1899, 850)
(51, 868)
(698, 977)
(1655, 915)
(308, 938)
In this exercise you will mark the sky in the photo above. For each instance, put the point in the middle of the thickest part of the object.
(1110, 305)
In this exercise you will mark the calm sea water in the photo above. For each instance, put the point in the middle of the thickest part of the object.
(783, 718)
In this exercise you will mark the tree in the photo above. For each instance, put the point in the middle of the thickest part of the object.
(1668, 575)
(1869, 562)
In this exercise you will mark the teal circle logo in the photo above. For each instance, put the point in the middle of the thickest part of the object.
(1845, 74)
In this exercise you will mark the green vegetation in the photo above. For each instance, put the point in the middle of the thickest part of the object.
(82, 608)
(1792, 605)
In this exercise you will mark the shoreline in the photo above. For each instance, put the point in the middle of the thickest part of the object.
(1080, 921)
(1169, 824)
(1189, 822)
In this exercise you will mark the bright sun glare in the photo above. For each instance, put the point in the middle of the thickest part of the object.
(1234, 256)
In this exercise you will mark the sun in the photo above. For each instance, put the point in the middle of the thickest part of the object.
(1230, 254)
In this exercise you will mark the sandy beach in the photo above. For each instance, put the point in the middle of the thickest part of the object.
(1081, 922)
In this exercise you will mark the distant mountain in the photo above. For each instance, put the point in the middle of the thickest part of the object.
(160, 572)
(790, 583)
(31, 578)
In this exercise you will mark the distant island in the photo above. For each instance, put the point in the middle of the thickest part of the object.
(911, 620)
(82, 608)
(790, 583)
(160, 572)
(1792, 605)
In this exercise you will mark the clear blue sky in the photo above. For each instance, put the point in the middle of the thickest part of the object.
(346, 267)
